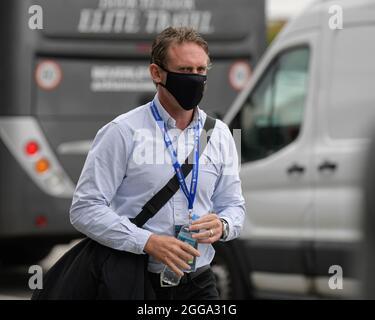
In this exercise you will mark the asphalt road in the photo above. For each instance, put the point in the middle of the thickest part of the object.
(14, 281)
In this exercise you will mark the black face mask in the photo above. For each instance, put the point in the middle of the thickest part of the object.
(186, 88)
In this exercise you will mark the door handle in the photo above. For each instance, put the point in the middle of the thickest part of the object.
(327, 166)
(296, 168)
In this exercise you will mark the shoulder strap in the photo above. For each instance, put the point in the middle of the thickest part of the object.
(167, 192)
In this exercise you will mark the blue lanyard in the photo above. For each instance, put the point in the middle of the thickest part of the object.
(190, 195)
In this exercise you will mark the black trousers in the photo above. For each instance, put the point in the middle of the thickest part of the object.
(202, 287)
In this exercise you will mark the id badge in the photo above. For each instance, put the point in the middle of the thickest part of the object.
(177, 230)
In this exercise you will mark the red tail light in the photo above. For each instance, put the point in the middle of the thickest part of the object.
(31, 148)
(41, 221)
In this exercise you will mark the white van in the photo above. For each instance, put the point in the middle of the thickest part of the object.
(306, 119)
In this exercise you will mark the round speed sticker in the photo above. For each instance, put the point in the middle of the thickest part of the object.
(239, 74)
(48, 75)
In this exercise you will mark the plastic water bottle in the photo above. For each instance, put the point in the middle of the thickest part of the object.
(185, 235)
(168, 277)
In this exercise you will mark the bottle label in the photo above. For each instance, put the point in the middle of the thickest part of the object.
(185, 236)
(188, 239)
(177, 229)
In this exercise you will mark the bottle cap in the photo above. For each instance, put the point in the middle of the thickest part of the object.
(194, 217)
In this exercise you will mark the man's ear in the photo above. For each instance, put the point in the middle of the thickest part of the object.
(155, 73)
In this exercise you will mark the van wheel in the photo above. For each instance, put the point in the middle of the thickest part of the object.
(230, 281)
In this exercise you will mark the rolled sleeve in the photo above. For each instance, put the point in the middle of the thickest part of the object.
(138, 239)
(231, 215)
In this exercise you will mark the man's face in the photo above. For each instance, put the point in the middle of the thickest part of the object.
(187, 57)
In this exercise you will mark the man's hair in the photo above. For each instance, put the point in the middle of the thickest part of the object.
(172, 35)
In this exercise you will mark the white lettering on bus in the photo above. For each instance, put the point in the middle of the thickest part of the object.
(167, 4)
(148, 4)
(159, 20)
(110, 4)
(98, 21)
(107, 78)
(128, 21)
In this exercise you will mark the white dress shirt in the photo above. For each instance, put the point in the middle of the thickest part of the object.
(128, 163)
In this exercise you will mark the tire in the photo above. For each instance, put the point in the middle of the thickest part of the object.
(232, 275)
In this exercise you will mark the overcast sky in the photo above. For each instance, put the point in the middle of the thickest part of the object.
(285, 8)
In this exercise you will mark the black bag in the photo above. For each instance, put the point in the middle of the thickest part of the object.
(90, 271)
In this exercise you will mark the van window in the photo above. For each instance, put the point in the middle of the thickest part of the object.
(351, 104)
(271, 117)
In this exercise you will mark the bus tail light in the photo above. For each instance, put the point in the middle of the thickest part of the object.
(41, 221)
(42, 165)
(31, 148)
(25, 139)
(55, 182)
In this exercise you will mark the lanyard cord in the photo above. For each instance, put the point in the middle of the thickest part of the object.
(190, 195)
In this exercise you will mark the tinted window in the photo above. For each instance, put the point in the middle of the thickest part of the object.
(271, 117)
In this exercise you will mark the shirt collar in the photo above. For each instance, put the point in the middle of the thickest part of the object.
(170, 122)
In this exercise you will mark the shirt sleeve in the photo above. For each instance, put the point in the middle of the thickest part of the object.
(227, 198)
(102, 174)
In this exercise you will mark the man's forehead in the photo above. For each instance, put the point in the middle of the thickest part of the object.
(187, 53)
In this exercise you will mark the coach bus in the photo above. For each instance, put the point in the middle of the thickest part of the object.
(69, 67)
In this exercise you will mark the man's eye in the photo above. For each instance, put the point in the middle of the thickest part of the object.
(200, 70)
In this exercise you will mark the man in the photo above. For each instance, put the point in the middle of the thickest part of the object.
(118, 179)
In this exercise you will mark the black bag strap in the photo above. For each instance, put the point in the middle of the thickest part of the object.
(167, 192)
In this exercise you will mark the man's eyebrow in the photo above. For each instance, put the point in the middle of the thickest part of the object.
(192, 67)
(185, 66)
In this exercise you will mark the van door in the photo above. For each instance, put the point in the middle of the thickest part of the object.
(276, 125)
(346, 114)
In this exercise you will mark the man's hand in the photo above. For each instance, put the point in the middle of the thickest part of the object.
(171, 252)
(210, 227)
